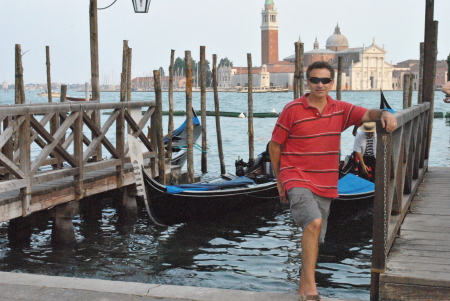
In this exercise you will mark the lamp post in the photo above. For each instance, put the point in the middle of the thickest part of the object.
(140, 6)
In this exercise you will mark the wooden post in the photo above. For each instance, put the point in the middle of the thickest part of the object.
(251, 142)
(25, 161)
(406, 81)
(63, 231)
(419, 98)
(159, 130)
(217, 113)
(189, 116)
(95, 83)
(203, 107)
(19, 86)
(129, 54)
(301, 77)
(171, 109)
(86, 91)
(78, 153)
(63, 97)
(429, 71)
(296, 87)
(339, 80)
(93, 22)
(49, 81)
(410, 89)
(380, 210)
(24, 135)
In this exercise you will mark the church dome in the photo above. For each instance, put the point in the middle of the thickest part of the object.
(337, 40)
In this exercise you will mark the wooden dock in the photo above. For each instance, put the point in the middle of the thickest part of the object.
(418, 266)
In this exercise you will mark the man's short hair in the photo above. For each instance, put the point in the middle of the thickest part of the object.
(320, 65)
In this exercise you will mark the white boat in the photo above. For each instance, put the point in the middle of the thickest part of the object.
(54, 94)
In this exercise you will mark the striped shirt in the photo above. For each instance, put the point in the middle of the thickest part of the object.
(311, 142)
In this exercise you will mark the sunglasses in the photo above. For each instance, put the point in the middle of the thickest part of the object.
(316, 80)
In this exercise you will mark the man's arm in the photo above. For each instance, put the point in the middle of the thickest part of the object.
(275, 158)
(388, 121)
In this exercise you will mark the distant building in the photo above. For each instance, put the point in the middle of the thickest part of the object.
(413, 67)
(5, 86)
(364, 68)
(269, 33)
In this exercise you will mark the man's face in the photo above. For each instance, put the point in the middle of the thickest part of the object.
(320, 89)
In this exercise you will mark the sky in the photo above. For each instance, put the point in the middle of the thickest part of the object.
(227, 28)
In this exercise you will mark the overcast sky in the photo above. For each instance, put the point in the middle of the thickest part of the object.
(228, 28)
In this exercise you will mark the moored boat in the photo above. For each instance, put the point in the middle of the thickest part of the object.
(175, 204)
(76, 98)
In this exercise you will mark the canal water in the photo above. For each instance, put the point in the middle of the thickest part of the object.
(257, 249)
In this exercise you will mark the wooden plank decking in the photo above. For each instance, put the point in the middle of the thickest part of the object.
(419, 262)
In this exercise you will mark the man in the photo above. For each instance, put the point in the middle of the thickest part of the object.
(365, 147)
(304, 151)
(446, 89)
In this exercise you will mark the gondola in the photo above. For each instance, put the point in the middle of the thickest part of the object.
(169, 205)
(179, 140)
(76, 99)
(350, 186)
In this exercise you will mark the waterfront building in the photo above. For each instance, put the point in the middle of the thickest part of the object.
(413, 67)
(364, 68)
(5, 86)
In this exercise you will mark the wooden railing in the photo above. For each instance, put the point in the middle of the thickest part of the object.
(402, 160)
(68, 140)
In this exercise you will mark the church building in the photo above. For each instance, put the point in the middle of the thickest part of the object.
(363, 68)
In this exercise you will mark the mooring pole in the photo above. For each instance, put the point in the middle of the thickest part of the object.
(251, 142)
(203, 107)
(405, 90)
(49, 81)
(171, 109)
(339, 80)
(301, 78)
(429, 65)
(189, 116)
(159, 130)
(217, 111)
(296, 87)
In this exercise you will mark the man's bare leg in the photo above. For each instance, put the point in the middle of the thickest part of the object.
(310, 252)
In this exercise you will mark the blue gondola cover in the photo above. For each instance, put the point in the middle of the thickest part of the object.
(352, 184)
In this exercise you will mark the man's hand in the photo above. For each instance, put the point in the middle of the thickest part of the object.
(282, 193)
(388, 121)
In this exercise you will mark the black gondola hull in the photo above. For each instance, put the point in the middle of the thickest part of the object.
(170, 209)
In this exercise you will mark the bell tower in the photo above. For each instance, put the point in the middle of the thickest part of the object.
(269, 33)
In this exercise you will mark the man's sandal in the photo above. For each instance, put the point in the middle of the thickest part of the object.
(310, 298)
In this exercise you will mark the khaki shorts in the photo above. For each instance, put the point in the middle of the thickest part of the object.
(307, 206)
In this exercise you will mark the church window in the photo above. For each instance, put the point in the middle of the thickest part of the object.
(265, 18)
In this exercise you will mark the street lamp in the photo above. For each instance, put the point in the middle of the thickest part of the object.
(141, 6)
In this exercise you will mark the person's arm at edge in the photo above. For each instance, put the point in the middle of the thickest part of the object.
(361, 162)
(275, 158)
(388, 120)
(446, 89)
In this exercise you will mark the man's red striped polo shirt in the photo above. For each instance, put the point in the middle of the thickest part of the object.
(311, 142)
